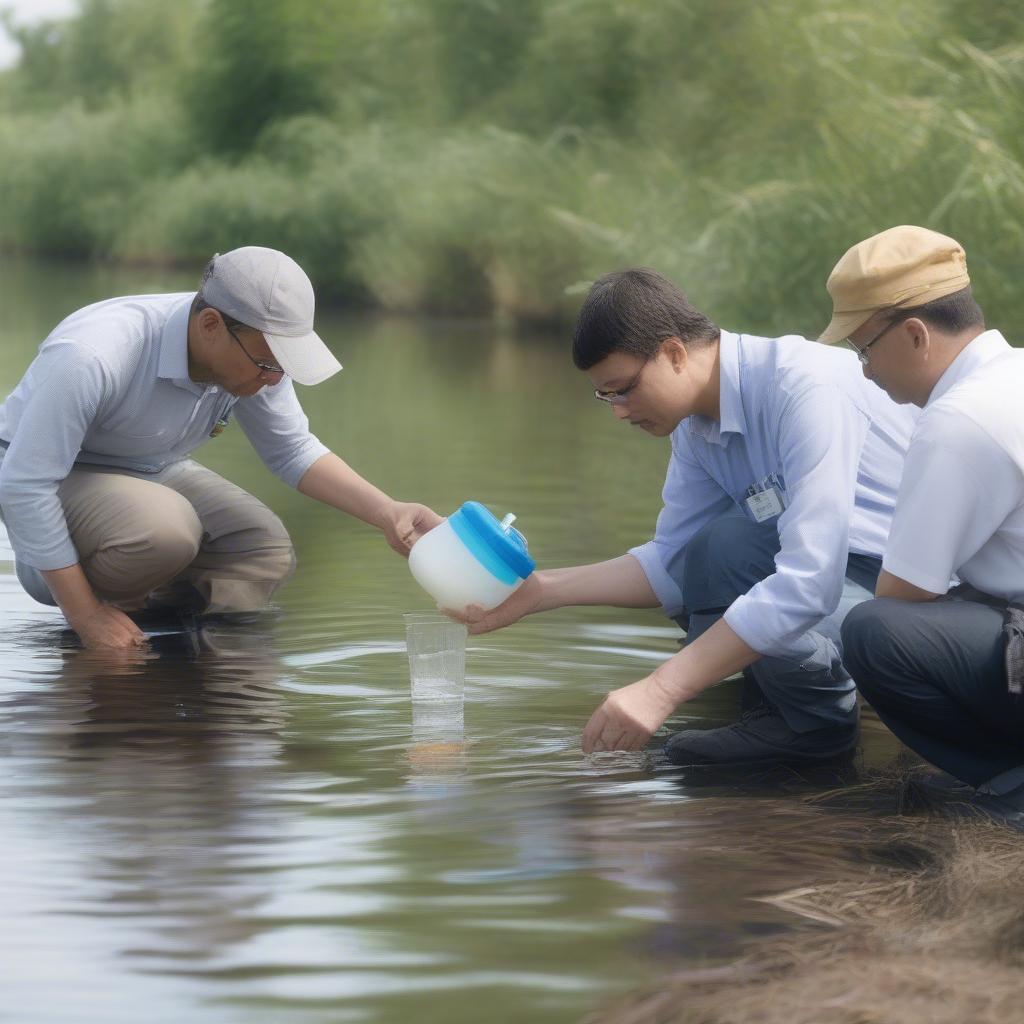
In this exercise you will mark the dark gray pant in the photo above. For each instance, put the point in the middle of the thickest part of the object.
(811, 689)
(935, 674)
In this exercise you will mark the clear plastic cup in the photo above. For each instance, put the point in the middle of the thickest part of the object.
(437, 673)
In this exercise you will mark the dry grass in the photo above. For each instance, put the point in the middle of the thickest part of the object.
(931, 933)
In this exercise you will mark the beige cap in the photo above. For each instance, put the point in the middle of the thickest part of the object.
(904, 266)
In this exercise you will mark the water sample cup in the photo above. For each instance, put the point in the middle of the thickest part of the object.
(437, 672)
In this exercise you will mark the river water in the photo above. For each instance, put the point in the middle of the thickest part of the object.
(252, 833)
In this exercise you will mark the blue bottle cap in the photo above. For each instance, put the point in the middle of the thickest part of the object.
(502, 552)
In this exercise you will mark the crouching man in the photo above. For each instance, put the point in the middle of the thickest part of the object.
(782, 478)
(106, 512)
(943, 666)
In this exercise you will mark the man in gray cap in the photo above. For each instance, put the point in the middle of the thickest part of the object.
(106, 512)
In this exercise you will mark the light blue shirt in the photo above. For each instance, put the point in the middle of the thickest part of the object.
(110, 387)
(835, 441)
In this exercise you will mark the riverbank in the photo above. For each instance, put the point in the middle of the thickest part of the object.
(930, 932)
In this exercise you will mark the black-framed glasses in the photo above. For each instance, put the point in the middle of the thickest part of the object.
(269, 368)
(621, 396)
(862, 350)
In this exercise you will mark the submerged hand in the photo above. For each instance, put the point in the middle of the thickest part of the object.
(107, 627)
(628, 717)
(524, 600)
(405, 522)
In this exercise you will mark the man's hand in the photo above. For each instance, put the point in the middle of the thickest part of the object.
(405, 522)
(628, 717)
(108, 628)
(524, 600)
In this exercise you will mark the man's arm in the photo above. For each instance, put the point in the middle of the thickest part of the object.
(638, 579)
(820, 438)
(68, 386)
(944, 512)
(98, 625)
(628, 717)
(278, 429)
(331, 480)
(892, 586)
(619, 582)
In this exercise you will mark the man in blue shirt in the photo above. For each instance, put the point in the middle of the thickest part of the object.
(106, 512)
(781, 484)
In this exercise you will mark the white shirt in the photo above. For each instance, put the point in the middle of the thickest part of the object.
(110, 387)
(961, 503)
(835, 441)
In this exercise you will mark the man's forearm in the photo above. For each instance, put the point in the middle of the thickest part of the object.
(714, 656)
(72, 591)
(619, 582)
(331, 480)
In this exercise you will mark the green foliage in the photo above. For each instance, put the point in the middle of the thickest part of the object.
(483, 156)
(72, 182)
(255, 64)
(112, 49)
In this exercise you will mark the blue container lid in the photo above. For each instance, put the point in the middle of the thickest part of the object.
(502, 552)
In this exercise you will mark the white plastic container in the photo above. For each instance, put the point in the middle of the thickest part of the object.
(471, 559)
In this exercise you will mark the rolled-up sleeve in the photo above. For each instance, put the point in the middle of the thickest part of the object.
(821, 434)
(278, 429)
(692, 498)
(69, 385)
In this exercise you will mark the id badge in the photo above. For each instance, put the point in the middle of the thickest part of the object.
(766, 499)
(765, 505)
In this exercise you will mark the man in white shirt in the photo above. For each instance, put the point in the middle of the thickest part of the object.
(106, 512)
(781, 483)
(931, 657)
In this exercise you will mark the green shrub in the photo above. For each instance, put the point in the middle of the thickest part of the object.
(477, 157)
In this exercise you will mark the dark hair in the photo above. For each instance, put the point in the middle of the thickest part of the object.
(952, 313)
(634, 311)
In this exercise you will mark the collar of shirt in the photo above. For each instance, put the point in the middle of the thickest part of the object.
(730, 402)
(981, 350)
(173, 364)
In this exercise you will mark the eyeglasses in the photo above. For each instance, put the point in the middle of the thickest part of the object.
(268, 368)
(862, 350)
(621, 396)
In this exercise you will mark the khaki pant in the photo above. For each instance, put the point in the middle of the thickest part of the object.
(159, 538)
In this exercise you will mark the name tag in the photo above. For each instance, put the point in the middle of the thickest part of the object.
(766, 499)
(765, 505)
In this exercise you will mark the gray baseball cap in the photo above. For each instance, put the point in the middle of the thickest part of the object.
(269, 291)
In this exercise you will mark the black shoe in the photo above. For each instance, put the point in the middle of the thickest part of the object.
(760, 737)
(939, 786)
(157, 619)
(1004, 810)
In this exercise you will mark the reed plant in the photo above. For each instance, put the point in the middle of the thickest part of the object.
(928, 932)
(433, 156)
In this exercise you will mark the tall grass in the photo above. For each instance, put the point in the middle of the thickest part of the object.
(477, 158)
(919, 924)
